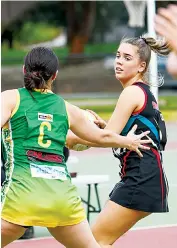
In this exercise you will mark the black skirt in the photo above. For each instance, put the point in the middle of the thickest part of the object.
(143, 184)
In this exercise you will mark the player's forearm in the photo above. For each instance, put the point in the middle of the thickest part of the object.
(108, 139)
(116, 141)
(73, 140)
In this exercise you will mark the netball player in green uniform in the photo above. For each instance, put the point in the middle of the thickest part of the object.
(38, 189)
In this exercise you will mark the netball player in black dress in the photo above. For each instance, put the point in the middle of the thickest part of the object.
(143, 187)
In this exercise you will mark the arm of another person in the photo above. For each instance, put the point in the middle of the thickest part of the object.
(8, 103)
(172, 64)
(166, 24)
(131, 99)
(121, 114)
(84, 129)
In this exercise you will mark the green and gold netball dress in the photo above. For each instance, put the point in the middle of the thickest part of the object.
(38, 189)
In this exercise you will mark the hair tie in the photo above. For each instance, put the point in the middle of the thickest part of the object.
(35, 73)
(142, 38)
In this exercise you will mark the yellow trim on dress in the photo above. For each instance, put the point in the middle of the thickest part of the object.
(17, 104)
(44, 92)
(67, 113)
(43, 223)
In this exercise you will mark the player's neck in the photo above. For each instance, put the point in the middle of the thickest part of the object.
(131, 81)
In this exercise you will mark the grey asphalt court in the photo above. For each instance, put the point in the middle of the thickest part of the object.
(99, 161)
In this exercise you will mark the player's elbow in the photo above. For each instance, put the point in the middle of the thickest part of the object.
(71, 139)
(106, 139)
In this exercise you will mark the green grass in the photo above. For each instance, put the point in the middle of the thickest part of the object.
(101, 48)
(168, 106)
(16, 56)
(40, 32)
(169, 115)
(165, 103)
(168, 103)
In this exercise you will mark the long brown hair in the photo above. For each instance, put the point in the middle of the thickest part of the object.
(147, 44)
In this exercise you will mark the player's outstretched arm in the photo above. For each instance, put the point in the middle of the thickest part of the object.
(104, 138)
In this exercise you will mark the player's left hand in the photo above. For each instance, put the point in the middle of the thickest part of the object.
(137, 142)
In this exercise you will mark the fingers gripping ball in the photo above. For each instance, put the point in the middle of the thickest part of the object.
(91, 118)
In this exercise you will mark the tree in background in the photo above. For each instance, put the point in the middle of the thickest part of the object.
(80, 18)
(77, 17)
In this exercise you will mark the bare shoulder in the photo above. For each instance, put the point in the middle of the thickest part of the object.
(74, 113)
(132, 88)
(132, 91)
(71, 108)
(9, 97)
(9, 92)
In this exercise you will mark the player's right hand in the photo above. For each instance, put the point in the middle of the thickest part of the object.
(99, 121)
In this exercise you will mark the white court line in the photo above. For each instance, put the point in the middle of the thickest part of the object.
(105, 184)
(153, 227)
(133, 229)
(33, 239)
(173, 185)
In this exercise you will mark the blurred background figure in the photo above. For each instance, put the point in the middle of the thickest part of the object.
(7, 35)
(166, 25)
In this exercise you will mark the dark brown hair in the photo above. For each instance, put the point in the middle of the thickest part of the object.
(40, 64)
